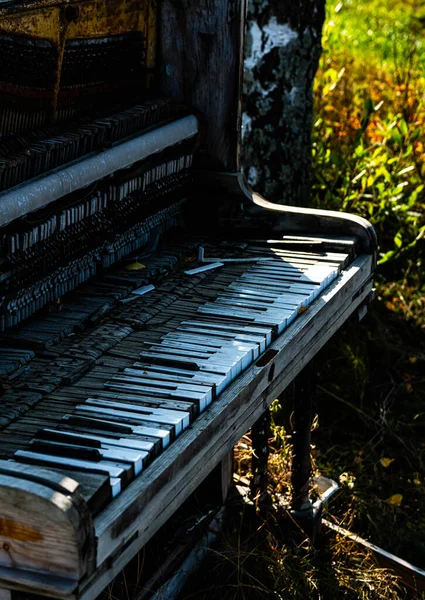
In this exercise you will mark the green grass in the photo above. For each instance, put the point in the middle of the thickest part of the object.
(370, 121)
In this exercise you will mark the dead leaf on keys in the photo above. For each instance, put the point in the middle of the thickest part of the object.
(135, 266)
(302, 309)
(395, 499)
(385, 462)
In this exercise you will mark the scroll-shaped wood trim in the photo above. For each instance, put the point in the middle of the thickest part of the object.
(45, 528)
(245, 210)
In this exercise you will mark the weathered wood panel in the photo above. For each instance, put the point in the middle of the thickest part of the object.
(200, 53)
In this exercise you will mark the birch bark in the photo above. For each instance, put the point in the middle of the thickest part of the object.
(283, 45)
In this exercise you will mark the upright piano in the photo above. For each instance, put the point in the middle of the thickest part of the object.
(152, 305)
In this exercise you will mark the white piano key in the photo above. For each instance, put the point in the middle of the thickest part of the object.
(221, 336)
(253, 300)
(168, 383)
(280, 287)
(162, 383)
(193, 350)
(217, 379)
(254, 306)
(174, 361)
(203, 340)
(64, 461)
(246, 329)
(256, 288)
(207, 267)
(141, 445)
(141, 291)
(153, 432)
(135, 385)
(226, 361)
(164, 417)
(267, 318)
(110, 451)
(115, 484)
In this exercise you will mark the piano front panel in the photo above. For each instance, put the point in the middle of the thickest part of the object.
(59, 60)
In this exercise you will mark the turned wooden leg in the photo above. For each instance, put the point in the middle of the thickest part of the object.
(302, 507)
(226, 475)
(260, 435)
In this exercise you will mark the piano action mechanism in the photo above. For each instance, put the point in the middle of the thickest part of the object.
(125, 381)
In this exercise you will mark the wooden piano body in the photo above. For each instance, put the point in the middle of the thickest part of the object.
(83, 61)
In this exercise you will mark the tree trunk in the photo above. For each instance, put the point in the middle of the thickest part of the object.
(283, 45)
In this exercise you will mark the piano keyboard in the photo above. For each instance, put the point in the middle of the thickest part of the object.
(146, 390)
(93, 224)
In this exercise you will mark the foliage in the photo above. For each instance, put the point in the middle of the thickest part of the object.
(369, 132)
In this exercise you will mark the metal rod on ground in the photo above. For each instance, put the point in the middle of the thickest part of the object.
(410, 575)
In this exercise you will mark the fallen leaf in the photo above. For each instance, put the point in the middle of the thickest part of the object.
(412, 359)
(136, 266)
(385, 462)
(409, 388)
(395, 499)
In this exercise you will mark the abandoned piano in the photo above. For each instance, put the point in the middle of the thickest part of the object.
(152, 305)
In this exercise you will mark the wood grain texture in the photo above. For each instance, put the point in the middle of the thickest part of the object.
(200, 53)
(5, 594)
(30, 581)
(38, 529)
(147, 503)
(46, 530)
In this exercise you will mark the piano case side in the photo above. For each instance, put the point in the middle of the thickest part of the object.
(46, 530)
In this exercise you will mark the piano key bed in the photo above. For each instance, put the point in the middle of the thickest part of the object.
(133, 413)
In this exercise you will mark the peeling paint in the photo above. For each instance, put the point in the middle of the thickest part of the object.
(262, 41)
(292, 95)
(246, 124)
(277, 34)
(252, 176)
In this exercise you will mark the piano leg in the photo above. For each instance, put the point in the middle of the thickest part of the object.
(260, 435)
(226, 475)
(306, 514)
(217, 485)
(5, 594)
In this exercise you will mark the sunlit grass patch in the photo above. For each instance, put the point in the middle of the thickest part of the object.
(369, 130)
